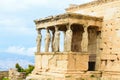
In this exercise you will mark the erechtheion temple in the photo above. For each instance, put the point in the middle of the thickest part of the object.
(91, 43)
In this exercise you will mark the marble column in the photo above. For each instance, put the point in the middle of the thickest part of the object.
(84, 43)
(38, 40)
(47, 40)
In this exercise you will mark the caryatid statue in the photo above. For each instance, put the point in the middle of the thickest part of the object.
(52, 44)
(84, 42)
(47, 40)
(56, 42)
(68, 39)
(38, 40)
(64, 41)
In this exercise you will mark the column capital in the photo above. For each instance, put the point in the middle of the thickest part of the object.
(39, 29)
(68, 25)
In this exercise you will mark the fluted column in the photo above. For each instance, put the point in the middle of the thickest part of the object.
(84, 43)
(38, 40)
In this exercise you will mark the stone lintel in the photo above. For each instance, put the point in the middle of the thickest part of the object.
(66, 18)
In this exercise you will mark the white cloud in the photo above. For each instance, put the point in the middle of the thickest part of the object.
(15, 25)
(10, 21)
(11, 5)
(15, 5)
(21, 50)
(19, 26)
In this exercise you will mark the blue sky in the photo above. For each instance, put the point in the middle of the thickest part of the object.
(17, 29)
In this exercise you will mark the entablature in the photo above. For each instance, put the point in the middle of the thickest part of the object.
(68, 18)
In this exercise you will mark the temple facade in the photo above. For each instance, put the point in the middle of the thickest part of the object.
(91, 43)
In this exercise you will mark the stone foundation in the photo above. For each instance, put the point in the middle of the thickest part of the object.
(70, 66)
(61, 66)
(61, 62)
(89, 75)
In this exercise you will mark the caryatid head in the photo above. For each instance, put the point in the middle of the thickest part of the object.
(68, 26)
(56, 28)
(47, 29)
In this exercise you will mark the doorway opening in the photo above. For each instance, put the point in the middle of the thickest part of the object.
(91, 66)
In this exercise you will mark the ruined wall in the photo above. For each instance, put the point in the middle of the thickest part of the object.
(15, 75)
